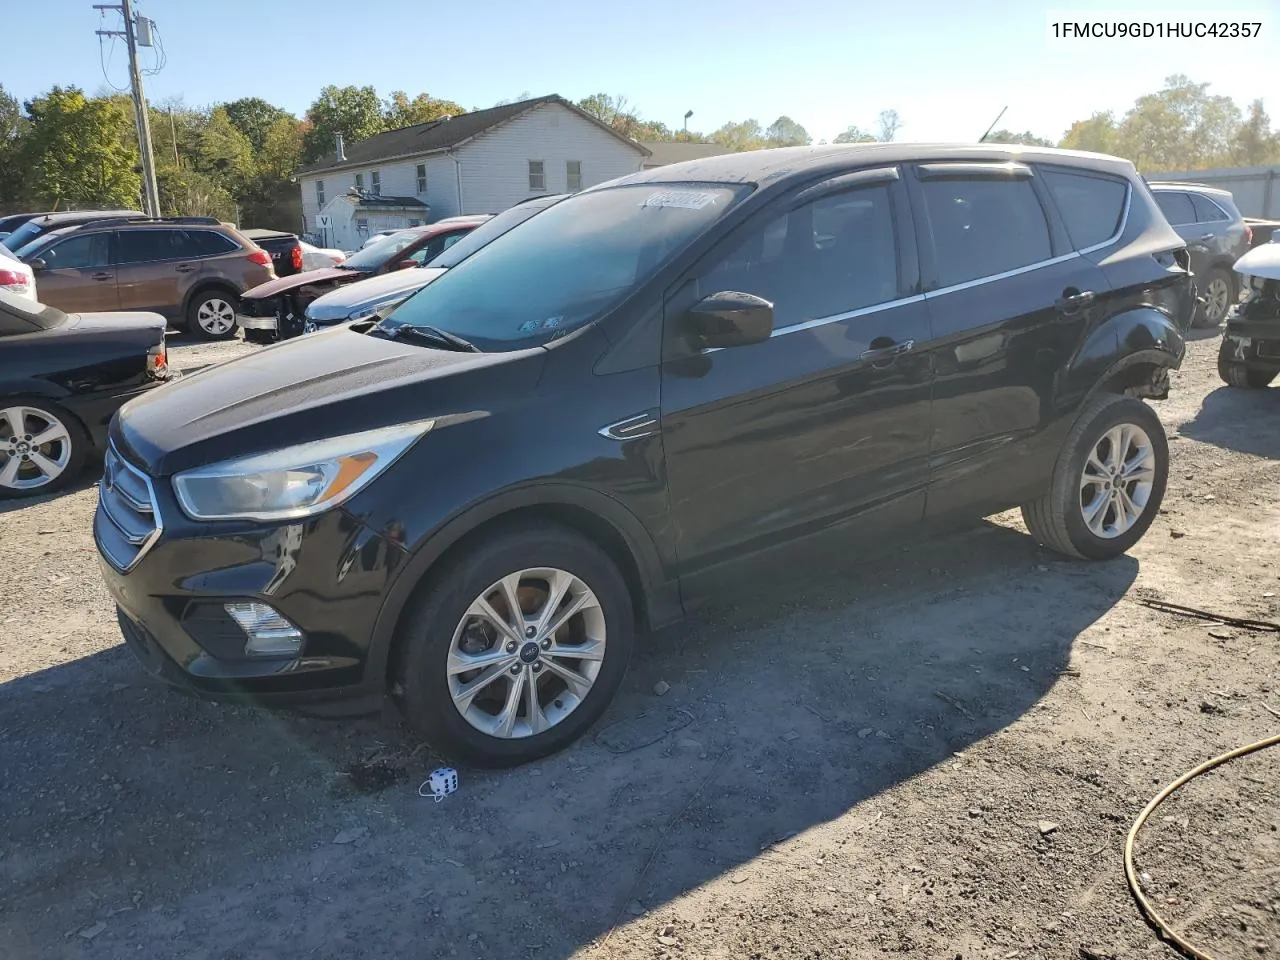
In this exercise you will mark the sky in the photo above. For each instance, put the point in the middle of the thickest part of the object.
(946, 67)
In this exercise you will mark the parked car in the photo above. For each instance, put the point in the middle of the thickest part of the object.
(287, 257)
(362, 299)
(277, 310)
(317, 258)
(191, 270)
(62, 377)
(376, 237)
(1260, 230)
(14, 220)
(15, 276)
(1249, 355)
(1216, 236)
(36, 227)
(629, 403)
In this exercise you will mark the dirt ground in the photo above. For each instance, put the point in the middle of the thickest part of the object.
(935, 754)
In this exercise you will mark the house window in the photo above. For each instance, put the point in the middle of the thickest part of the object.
(537, 175)
(422, 178)
(320, 194)
(376, 179)
(359, 181)
(362, 225)
(573, 174)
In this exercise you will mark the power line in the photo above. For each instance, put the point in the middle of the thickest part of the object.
(151, 193)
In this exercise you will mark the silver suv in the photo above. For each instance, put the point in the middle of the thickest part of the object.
(1216, 235)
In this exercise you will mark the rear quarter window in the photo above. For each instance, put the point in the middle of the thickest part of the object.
(1091, 206)
(1207, 211)
(208, 243)
(1176, 207)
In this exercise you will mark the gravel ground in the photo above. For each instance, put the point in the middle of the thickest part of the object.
(938, 753)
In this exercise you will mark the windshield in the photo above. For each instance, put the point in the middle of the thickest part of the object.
(23, 235)
(376, 254)
(489, 231)
(567, 267)
(19, 315)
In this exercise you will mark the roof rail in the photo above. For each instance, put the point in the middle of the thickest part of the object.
(119, 221)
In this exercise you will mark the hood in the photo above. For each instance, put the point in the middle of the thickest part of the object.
(273, 288)
(112, 322)
(328, 384)
(1262, 261)
(340, 304)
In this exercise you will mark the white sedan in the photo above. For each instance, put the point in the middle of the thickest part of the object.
(15, 276)
(317, 258)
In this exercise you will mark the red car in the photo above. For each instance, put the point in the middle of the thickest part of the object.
(276, 310)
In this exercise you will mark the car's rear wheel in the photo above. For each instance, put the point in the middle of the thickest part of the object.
(1236, 374)
(1107, 484)
(211, 315)
(1219, 293)
(42, 448)
(517, 649)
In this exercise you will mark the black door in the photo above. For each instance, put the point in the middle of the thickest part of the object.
(1009, 301)
(826, 424)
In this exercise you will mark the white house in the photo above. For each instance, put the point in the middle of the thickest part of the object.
(480, 162)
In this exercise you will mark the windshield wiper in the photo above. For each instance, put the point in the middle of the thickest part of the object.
(451, 341)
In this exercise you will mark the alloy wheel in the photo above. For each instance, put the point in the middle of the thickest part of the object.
(1217, 294)
(35, 448)
(1116, 483)
(216, 316)
(526, 653)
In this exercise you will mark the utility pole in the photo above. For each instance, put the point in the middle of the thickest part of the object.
(149, 189)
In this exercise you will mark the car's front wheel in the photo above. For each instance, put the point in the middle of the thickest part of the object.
(42, 448)
(1107, 484)
(518, 647)
(1219, 293)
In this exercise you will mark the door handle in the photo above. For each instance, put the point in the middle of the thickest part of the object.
(1073, 300)
(185, 268)
(103, 276)
(1206, 237)
(877, 354)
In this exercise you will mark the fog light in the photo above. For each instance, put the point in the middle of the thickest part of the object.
(269, 634)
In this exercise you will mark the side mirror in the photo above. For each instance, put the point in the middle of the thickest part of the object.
(37, 264)
(730, 319)
(406, 264)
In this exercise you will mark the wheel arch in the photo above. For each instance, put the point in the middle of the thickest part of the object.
(1132, 352)
(203, 286)
(594, 515)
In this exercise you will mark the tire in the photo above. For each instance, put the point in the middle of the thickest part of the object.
(211, 314)
(442, 629)
(260, 337)
(1220, 291)
(1240, 375)
(1058, 519)
(22, 474)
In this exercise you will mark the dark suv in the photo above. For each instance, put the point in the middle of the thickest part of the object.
(191, 270)
(1216, 236)
(631, 401)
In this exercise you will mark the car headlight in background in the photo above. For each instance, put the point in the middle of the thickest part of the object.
(293, 482)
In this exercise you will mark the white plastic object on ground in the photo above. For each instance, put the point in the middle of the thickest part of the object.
(441, 783)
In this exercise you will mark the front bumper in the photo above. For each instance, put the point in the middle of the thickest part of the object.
(328, 575)
(1254, 343)
(256, 323)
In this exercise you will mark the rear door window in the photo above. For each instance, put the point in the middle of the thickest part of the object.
(146, 246)
(984, 227)
(1091, 206)
(1206, 210)
(81, 252)
(1176, 207)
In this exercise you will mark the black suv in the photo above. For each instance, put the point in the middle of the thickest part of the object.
(626, 403)
(1216, 235)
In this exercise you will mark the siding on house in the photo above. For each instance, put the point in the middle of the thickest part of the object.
(495, 166)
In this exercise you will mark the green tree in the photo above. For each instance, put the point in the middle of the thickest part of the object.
(890, 123)
(1181, 127)
(785, 132)
(1026, 138)
(403, 112)
(746, 135)
(225, 153)
(354, 112)
(253, 117)
(12, 129)
(191, 193)
(75, 152)
(1255, 143)
(1098, 134)
(855, 134)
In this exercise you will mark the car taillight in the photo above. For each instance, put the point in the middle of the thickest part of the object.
(260, 257)
(14, 280)
(1248, 233)
(340, 258)
(297, 258)
(158, 360)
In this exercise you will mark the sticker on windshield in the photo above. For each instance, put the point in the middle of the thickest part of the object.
(685, 199)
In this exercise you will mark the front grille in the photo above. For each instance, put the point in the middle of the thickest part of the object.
(127, 522)
(258, 306)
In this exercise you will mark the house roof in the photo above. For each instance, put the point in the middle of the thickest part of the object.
(380, 200)
(663, 152)
(443, 134)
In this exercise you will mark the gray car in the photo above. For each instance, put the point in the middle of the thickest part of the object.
(1216, 235)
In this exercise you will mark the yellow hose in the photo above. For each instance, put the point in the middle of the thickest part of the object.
(1131, 874)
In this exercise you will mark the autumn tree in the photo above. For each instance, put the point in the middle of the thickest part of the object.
(1098, 134)
(403, 112)
(1254, 143)
(1181, 127)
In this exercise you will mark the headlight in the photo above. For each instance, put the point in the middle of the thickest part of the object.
(295, 481)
